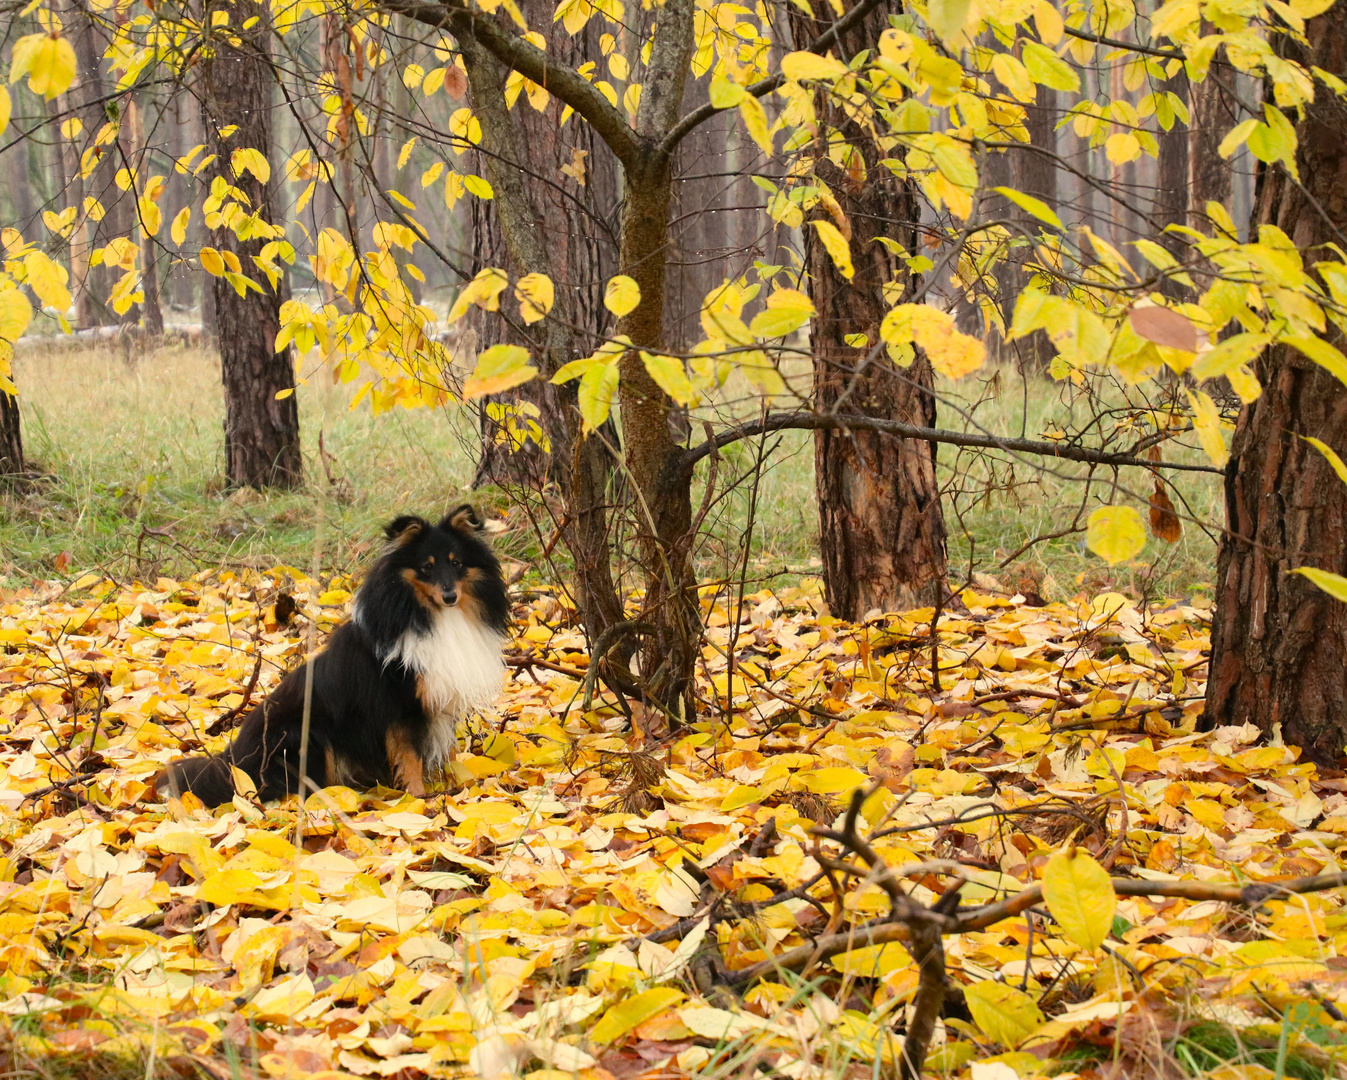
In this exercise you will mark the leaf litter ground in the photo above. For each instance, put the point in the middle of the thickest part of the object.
(582, 900)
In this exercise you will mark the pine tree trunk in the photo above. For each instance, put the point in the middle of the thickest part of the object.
(1278, 642)
(261, 432)
(882, 532)
(11, 439)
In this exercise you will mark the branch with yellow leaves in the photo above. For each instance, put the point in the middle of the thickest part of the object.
(811, 421)
(530, 61)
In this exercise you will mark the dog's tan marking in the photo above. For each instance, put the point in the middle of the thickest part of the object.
(465, 519)
(408, 534)
(407, 766)
(338, 772)
(426, 594)
(468, 600)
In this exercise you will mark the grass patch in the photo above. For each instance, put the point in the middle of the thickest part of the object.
(133, 457)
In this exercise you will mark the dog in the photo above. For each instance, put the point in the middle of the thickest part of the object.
(421, 651)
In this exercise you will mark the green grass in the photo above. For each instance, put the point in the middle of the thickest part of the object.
(134, 484)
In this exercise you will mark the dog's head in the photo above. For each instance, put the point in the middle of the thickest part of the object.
(441, 561)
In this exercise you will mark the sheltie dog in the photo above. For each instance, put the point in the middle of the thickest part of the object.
(421, 652)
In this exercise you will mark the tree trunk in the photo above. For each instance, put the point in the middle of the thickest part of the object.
(118, 218)
(261, 432)
(1170, 205)
(152, 315)
(1278, 642)
(580, 466)
(882, 532)
(11, 439)
(1212, 112)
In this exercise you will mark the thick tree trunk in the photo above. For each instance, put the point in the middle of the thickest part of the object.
(1278, 642)
(261, 432)
(11, 439)
(882, 533)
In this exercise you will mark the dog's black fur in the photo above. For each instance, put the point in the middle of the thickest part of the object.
(367, 721)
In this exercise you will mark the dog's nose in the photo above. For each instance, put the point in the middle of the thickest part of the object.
(450, 596)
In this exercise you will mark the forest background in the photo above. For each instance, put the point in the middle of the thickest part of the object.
(908, 398)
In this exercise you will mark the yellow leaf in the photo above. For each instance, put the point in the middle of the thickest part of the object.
(475, 185)
(742, 795)
(669, 373)
(831, 781)
(755, 121)
(1122, 147)
(47, 60)
(47, 278)
(151, 217)
(15, 313)
(1333, 584)
(597, 388)
(1115, 533)
(6, 105)
(1048, 69)
(947, 18)
(632, 1012)
(1029, 204)
(1005, 1015)
(484, 290)
(1329, 455)
(536, 295)
(250, 160)
(178, 230)
(803, 66)
(787, 311)
(622, 295)
(1080, 897)
(212, 262)
(725, 94)
(499, 368)
(837, 247)
(1207, 423)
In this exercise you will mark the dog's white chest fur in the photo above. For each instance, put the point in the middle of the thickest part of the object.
(460, 670)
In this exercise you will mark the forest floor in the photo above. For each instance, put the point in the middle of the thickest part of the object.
(131, 448)
(581, 901)
(584, 900)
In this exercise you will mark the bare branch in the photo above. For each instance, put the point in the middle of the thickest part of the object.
(819, 421)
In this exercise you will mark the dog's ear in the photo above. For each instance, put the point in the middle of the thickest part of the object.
(404, 529)
(466, 519)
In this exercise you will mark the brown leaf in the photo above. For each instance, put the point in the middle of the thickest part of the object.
(1164, 326)
(1165, 522)
(455, 82)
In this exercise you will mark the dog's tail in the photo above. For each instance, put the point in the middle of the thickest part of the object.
(210, 779)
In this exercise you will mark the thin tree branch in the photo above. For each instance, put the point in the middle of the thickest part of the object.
(762, 87)
(534, 64)
(818, 421)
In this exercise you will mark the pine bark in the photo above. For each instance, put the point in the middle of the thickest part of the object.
(1278, 642)
(261, 432)
(882, 532)
(11, 437)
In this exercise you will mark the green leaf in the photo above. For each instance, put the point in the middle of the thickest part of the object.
(1005, 1015)
(1080, 896)
(726, 94)
(1115, 533)
(1333, 584)
(1030, 205)
(632, 1012)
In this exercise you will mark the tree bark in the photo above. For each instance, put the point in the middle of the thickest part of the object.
(579, 466)
(882, 532)
(118, 219)
(1212, 113)
(1278, 642)
(261, 432)
(11, 438)
(152, 315)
